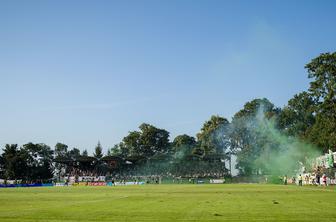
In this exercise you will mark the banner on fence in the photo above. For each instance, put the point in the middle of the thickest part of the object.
(217, 181)
(125, 183)
(27, 185)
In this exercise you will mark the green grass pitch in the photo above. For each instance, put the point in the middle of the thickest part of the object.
(227, 202)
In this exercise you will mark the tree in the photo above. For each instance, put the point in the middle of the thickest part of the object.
(61, 150)
(9, 158)
(153, 140)
(182, 141)
(74, 154)
(246, 138)
(99, 165)
(323, 90)
(323, 72)
(2, 167)
(183, 145)
(14, 164)
(120, 150)
(297, 118)
(146, 142)
(85, 153)
(98, 151)
(39, 162)
(61, 157)
(132, 144)
(214, 135)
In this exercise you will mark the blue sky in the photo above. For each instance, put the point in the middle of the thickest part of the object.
(81, 71)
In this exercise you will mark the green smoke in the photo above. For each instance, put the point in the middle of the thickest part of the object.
(279, 154)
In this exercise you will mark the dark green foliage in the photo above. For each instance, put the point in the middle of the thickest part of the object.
(98, 151)
(246, 139)
(120, 150)
(85, 153)
(323, 90)
(214, 135)
(146, 142)
(183, 145)
(311, 115)
(184, 140)
(298, 117)
(40, 160)
(61, 150)
(74, 154)
(31, 162)
(14, 162)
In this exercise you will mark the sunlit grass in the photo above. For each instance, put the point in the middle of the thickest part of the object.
(232, 202)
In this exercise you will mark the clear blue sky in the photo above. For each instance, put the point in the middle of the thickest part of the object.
(81, 71)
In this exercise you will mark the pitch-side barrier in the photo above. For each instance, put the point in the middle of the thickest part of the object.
(27, 185)
(81, 184)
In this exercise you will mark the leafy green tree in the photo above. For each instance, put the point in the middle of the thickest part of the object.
(214, 135)
(120, 150)
(153, 140)
(40, 161)
(245, 137)
(74, 154)
(9, 158)
(132, 143)
(298, 117)
(184, 140)
(183, 145)
(14, 164)
(61, 150)
(322, 71)
(146, 142)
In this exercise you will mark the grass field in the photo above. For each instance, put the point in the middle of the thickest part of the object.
(231, 202)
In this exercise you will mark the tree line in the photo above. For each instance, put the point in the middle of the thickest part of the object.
(309, 116)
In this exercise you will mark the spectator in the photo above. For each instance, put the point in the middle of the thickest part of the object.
(300, 180)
